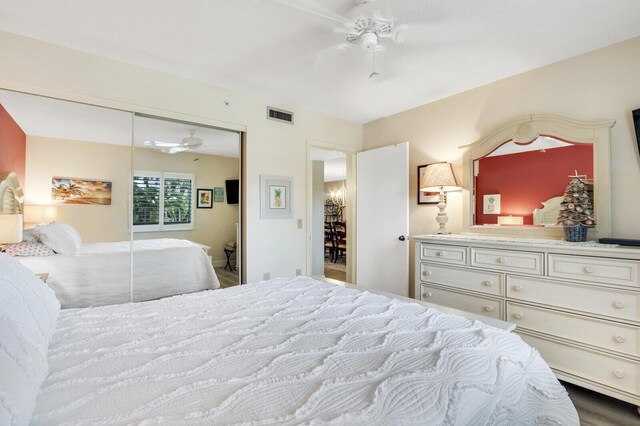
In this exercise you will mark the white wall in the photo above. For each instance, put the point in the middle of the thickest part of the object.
(274, 246)
(599, 85)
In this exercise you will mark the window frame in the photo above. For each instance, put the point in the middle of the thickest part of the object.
(161, 226)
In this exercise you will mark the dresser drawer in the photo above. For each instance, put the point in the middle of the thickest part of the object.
(616, 372)
(465, 279)
(594, 269)
(455, 255)
(601, 333)
(508, 260)
(470, 303)
(617, 304)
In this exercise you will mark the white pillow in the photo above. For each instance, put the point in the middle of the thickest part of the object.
(60, 237)
(28, 314)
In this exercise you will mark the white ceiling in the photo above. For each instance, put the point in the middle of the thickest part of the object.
(335, 163)
(276, 50)
(39, 116)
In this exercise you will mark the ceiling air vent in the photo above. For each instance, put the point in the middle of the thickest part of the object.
(279, 115)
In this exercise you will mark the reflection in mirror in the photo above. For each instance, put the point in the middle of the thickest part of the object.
(185, 221)
(519, 183)
(73, 161)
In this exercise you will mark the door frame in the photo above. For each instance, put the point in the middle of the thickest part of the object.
(350, 185)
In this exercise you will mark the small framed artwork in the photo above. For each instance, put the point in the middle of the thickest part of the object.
(205, 198)
(275, 197)
(491, 204)
(426, 197)
(218, 195)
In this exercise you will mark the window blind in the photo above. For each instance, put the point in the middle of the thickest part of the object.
(146, 200)
(177, 200)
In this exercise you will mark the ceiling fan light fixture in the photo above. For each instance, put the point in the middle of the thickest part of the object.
(369, 41)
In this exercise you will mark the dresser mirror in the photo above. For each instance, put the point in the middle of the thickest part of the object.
(514, 177)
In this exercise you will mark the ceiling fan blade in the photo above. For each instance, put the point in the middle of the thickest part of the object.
(316, 9)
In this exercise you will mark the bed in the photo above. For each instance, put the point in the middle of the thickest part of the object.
(99, 273)
(285, 351)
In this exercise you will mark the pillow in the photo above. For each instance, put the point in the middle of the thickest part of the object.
(60, 237)
(28, 249)
(30, 236)
(28, 314)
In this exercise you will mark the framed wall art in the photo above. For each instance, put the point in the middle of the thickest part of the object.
(426, 197)
(66, 190)
(205, 198)
(275, 197)
(218, 195)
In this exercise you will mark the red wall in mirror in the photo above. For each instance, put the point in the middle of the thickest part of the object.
(13, 146)
(525, 179)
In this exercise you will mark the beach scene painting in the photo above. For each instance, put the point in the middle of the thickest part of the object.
(66, 190)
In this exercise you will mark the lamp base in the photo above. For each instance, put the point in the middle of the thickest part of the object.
(442, 218)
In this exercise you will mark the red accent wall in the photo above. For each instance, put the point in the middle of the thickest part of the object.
(13, 146)
(526, 179)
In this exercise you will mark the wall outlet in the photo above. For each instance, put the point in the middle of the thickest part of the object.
(266, 276)
(298, 272)
(299, 223)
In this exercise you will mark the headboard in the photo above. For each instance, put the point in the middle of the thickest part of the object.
(548, 215)
(11, 194)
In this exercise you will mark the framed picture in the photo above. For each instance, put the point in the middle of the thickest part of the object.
(426, 197)
(205, 198)
(218, 195)
(66, 190)
(275, 197)
(491, 204)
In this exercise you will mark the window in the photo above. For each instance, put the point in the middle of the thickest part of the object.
(162, 201)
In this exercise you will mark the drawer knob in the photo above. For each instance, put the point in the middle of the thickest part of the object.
(488, 308)
(426, 295)
(501, 260)
(517, 288)
(618, 304)
(518, 316)
(619, 339)
(487, 283)
(440, 253)
(619, 374)
(589, 269)
(426, 273)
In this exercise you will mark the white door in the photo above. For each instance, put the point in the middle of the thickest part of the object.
(383, 219)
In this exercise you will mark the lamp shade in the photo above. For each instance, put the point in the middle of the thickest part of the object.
(40, 214)
(439, 176)
(10, 228)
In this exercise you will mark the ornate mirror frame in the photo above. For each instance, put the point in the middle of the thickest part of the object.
(526, 129)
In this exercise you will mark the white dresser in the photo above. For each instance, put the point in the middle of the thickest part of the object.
(579, 305)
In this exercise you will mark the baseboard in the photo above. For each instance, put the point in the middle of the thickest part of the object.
(219, 263)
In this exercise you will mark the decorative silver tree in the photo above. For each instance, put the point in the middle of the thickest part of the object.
(576, 210)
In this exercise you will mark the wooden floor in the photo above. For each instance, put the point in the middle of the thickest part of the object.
(596, 409)
(335, 275)
(227, 278)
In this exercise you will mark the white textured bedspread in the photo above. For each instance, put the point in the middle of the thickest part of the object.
(100, 273)
(291, 351)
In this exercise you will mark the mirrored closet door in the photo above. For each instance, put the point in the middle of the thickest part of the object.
(184, 207)
(73, 163)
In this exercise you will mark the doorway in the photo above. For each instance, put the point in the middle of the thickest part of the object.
(331, 253)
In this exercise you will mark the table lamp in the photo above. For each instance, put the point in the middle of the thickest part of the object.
(10, 229)
(439, 177)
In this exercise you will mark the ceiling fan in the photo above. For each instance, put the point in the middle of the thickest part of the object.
(361, 25)
(189, 143)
